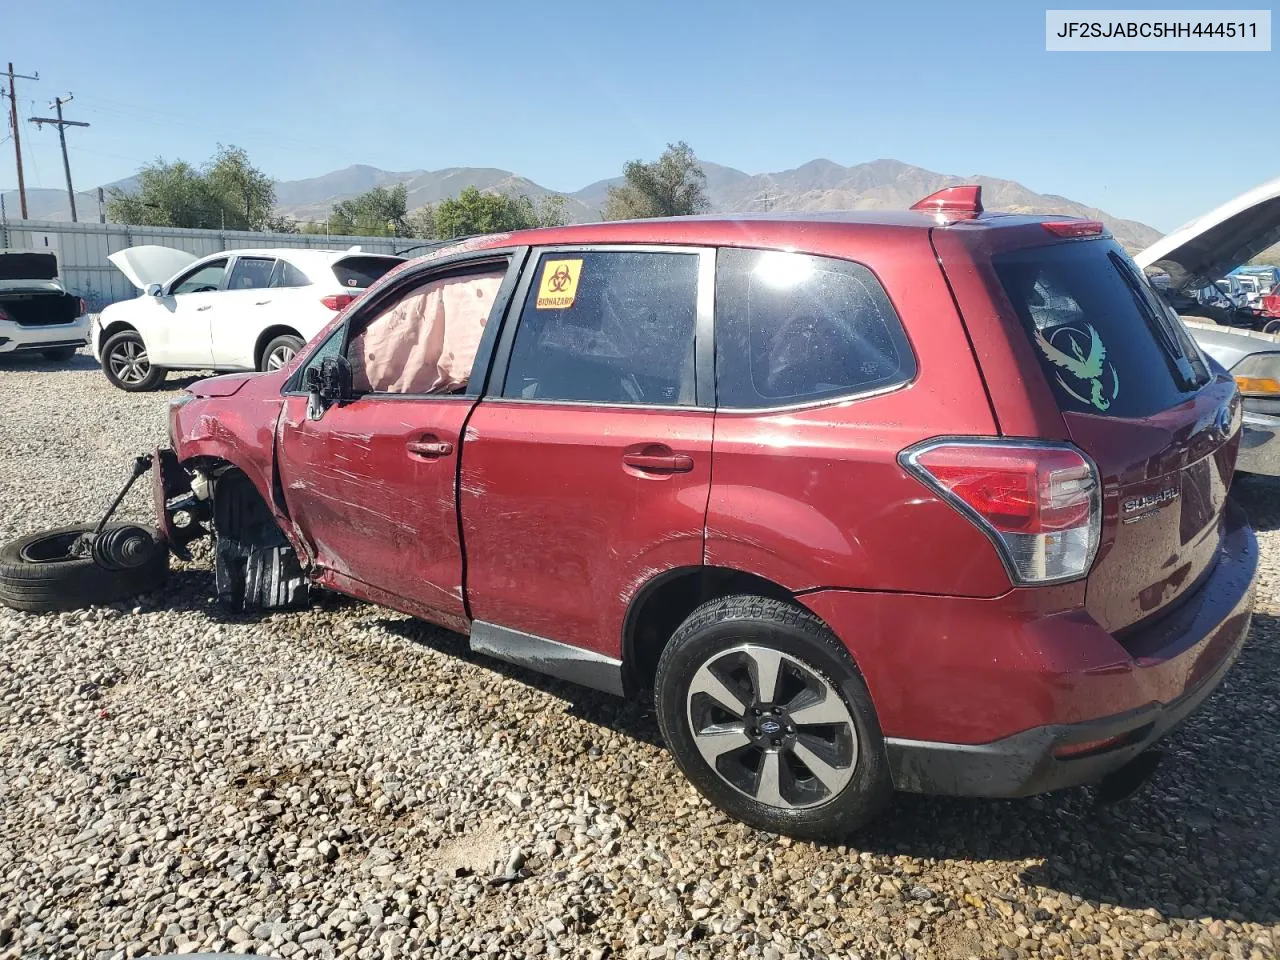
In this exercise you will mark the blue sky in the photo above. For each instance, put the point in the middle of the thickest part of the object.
(566, 92)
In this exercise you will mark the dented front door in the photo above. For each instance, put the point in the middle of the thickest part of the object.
(371, 488)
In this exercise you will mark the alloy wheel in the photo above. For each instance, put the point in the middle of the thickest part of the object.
(280, 356)
(772, 727)
(128, 361)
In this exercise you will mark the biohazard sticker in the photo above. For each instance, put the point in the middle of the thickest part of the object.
(559, 284)
(1083, 355)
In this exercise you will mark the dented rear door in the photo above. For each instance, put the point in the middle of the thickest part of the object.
(586, 469)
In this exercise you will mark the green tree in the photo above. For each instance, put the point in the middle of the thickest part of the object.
(422, 222)
(227, 192)
(380, 212)
(473, 212)
(168, 195)
(245, 194)
(671, 186)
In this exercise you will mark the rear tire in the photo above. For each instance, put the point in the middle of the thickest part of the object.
(38, 576)
(59, 354)
(279, 352)
(126, 364)
(800, 754)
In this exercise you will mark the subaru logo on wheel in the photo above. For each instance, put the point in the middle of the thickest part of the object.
(770, 727)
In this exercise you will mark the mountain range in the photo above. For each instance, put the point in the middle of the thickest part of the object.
(817, 185)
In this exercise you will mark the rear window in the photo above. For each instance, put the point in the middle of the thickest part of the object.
(360, 272)
(1106, 342)
(793, 328)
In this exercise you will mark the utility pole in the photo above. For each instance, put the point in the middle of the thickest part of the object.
(62, 135)
(17, 140)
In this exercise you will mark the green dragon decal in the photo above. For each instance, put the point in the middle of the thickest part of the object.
(1091, 368)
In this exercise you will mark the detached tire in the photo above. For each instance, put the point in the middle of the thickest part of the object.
(765, 713)
(37, 574)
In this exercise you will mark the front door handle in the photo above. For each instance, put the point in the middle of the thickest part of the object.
(659, 463)
(261, 303)
(429, 449)
(207, 306)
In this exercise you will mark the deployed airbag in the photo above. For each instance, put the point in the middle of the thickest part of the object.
(426, 342)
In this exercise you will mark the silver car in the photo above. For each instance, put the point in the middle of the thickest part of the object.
(1253, 358)
(1192, 257)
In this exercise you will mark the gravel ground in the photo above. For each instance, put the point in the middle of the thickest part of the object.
(349, 782)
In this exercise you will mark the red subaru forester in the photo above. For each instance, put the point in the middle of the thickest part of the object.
(931, 501)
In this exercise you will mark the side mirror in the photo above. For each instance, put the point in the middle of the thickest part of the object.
(335, 379)
(327, 384)
(154, 290)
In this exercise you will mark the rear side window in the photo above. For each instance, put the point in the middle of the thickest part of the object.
(286, 274)
(1104, 341)
(793, 328)
(364, 271)
(607, 327)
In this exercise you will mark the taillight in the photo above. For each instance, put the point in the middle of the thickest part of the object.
(1074, 228)
(84, 308)
(338, 301)
(1039, 503)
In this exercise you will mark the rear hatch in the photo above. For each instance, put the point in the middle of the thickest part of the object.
(1138, 397)
(359, 271)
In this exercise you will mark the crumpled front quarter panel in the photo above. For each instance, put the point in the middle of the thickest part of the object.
(239, 429)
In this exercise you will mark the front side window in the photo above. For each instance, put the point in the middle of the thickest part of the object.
(607, 327)
(426, 341)
(793, 328)
(202, 279)
(251, 273)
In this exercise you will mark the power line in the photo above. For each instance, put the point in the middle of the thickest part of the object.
(17, 139)
(62, 135)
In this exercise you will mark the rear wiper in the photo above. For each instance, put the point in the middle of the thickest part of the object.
(1175, 353)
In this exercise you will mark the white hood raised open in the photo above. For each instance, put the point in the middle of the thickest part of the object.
(1211, 246)
(151, 264)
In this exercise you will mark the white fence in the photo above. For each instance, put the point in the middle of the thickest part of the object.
(82, 249)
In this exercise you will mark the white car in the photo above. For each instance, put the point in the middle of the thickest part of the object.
(236, 310)
(37, 315)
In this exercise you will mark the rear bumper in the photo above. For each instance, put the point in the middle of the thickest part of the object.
(981, 709)
(20, 338)
(1024, 764)
(1259, 445)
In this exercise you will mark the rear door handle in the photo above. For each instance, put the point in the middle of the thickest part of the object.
(429, 449)
(207, 306)
(261, 303)
(659, 463)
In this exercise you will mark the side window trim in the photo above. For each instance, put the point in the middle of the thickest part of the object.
(704, 324)
(411, 278)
